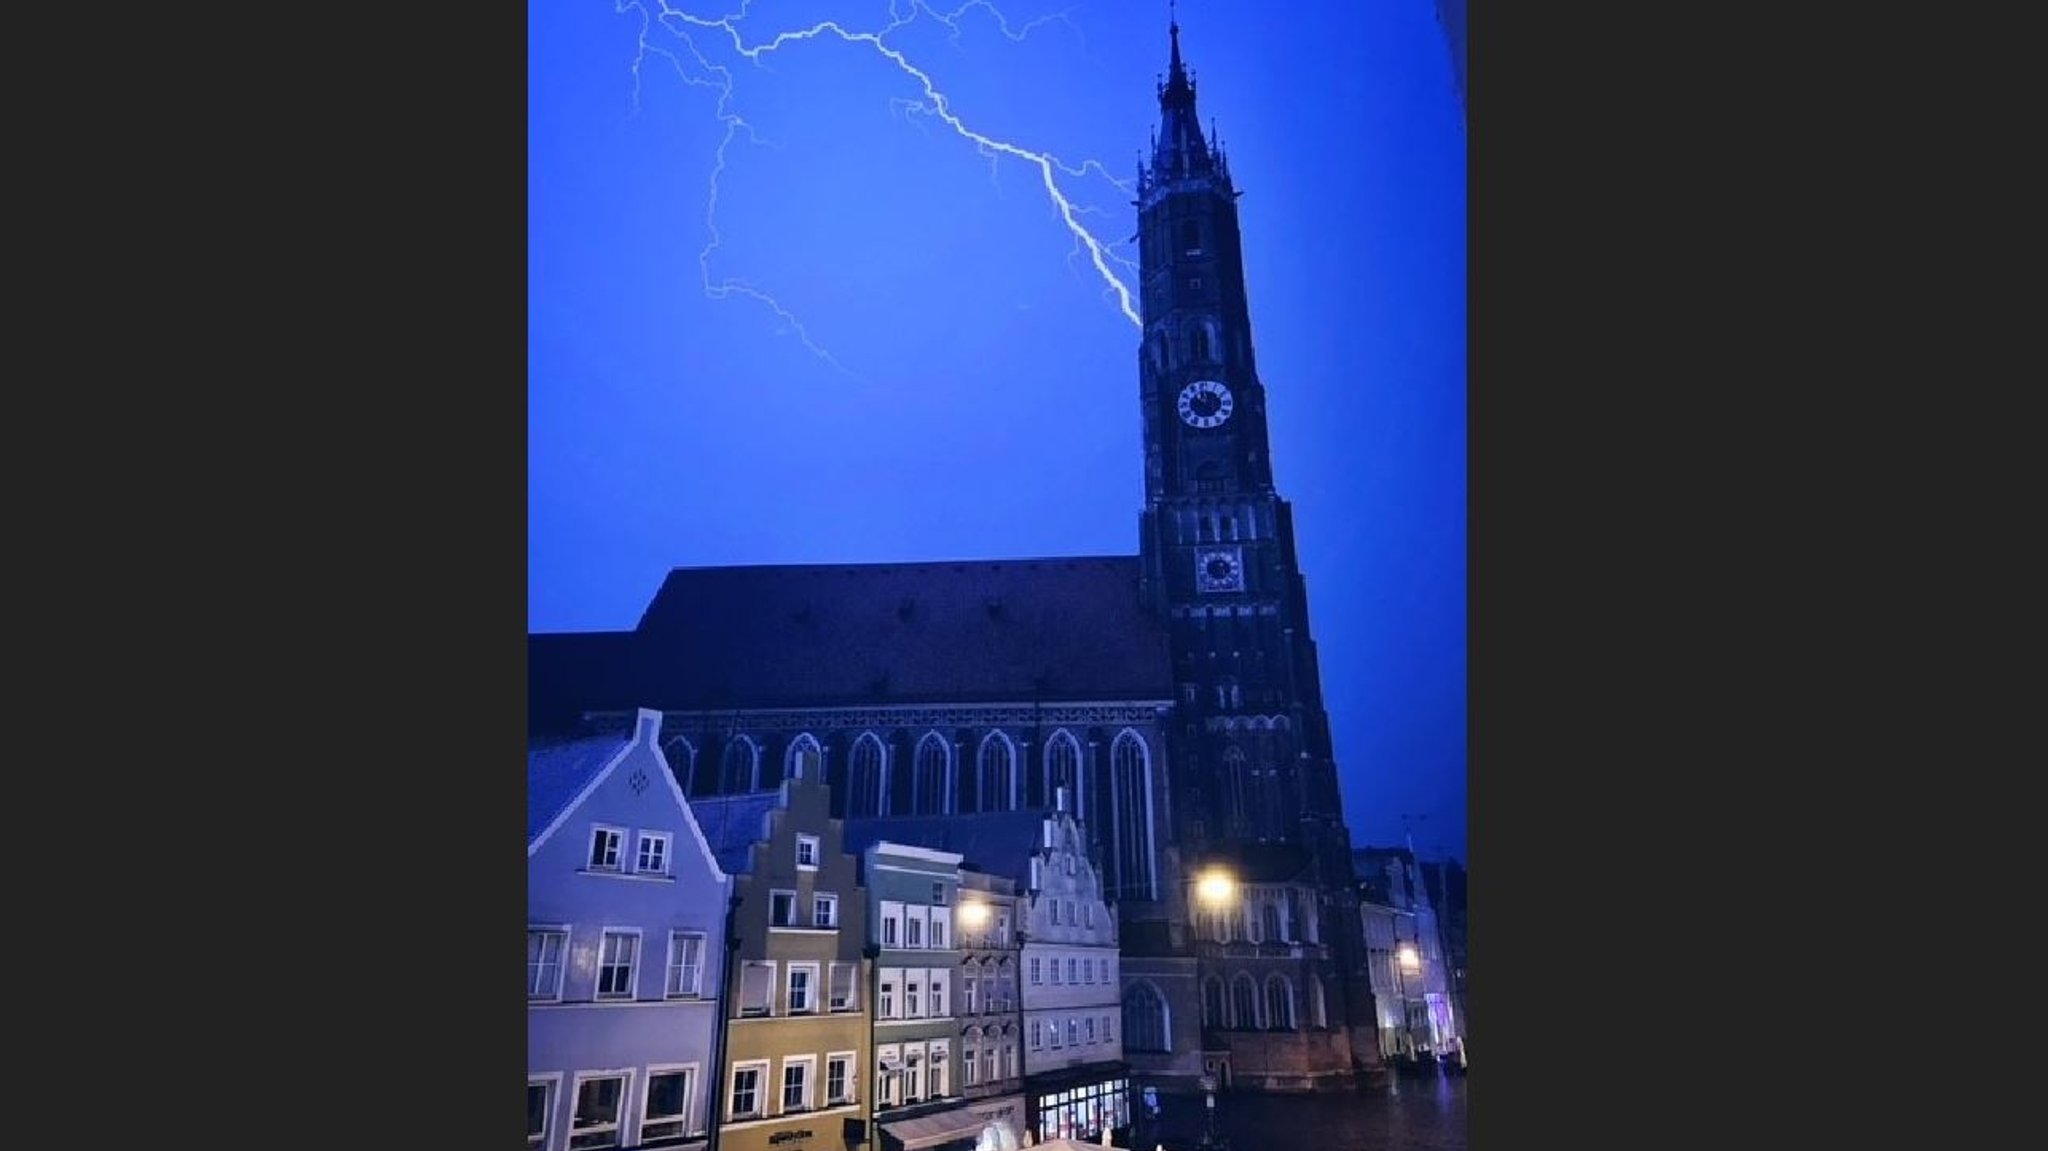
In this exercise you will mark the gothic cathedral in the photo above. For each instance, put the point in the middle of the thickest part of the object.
(1169, 700)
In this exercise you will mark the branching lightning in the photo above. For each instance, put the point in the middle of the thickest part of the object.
(681, 49)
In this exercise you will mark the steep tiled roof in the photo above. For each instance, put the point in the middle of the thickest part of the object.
(823, 635)
(557, 771)
(733, 824)
(997, 842)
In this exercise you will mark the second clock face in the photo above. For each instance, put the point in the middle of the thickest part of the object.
(1205, 404)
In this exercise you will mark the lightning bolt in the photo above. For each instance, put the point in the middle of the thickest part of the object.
(684, 54)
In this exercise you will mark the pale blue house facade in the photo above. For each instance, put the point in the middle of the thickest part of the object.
(626, 919)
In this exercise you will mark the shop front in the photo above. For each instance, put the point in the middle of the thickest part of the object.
(1079, 1104)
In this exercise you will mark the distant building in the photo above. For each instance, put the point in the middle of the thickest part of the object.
(625, 912)
(988, 1007)
(913, 895)
(1446, 884)
(1076, 1083)
(797, 1032)
(1404, 945)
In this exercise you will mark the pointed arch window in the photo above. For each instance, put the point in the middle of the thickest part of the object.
(682, 763)
(928, 779)
(740, 769)
(1244, 1004)
(1234, 790)
(806, 760)
(868, 771)
(1131, 772)
(1062, 766)
(1279, 1003)
(1144, 1019)
(996, 774)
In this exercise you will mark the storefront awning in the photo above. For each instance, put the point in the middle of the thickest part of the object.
(932, 1130)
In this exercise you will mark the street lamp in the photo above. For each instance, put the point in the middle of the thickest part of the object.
(1216, 889)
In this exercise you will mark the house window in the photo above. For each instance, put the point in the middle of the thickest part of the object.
(885, 1058)
(970, 1066)
(1055, 965)
(838, 1078)
(757, 987)
(1104, 965)
(596, 1123)
(938, 928)
(539, 1094)
(685, 964)
(615, 964)
(941, 980)
(803, 988)
(892, 915)
(544, 947)
(746, 1089)
(807, 851)
(886, 1006)
(1035, 980)
(913, 928)
(668, 1105)
(1053, 1028)
(796, 1083)
(604, 848)
(845, 978)
(1037, 1035)
(1002, 929)
(782, 909)
(967, 995)
(941, 1081)
(1089, 1030)
(1087, 915)
(913, 1078)
(1073, 968)
(939, 894)
(653, 858)
(824, 911)
(1073, 1033)
(913, 1006)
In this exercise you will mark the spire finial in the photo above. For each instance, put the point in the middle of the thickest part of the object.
(1176, 73)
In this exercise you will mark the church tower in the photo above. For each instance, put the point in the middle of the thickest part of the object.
(1255, 781)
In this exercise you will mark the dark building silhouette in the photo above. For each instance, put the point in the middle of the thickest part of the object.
(1173, 696)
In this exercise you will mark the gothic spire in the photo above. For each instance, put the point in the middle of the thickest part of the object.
(1179, 149)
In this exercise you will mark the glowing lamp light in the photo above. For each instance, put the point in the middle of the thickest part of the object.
(1410, 961)
(973, 914)
(1216, 888)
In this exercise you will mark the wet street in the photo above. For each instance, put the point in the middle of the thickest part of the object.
(1411, 1115)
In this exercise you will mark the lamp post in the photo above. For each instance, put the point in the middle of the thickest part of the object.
(872, 952)
(1216, 890)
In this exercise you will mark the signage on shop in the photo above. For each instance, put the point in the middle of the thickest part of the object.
(789, 1136)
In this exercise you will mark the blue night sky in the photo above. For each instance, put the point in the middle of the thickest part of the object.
(897, 350)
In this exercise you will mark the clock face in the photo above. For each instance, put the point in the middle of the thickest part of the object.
(1205, 404)
(1221, 570)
